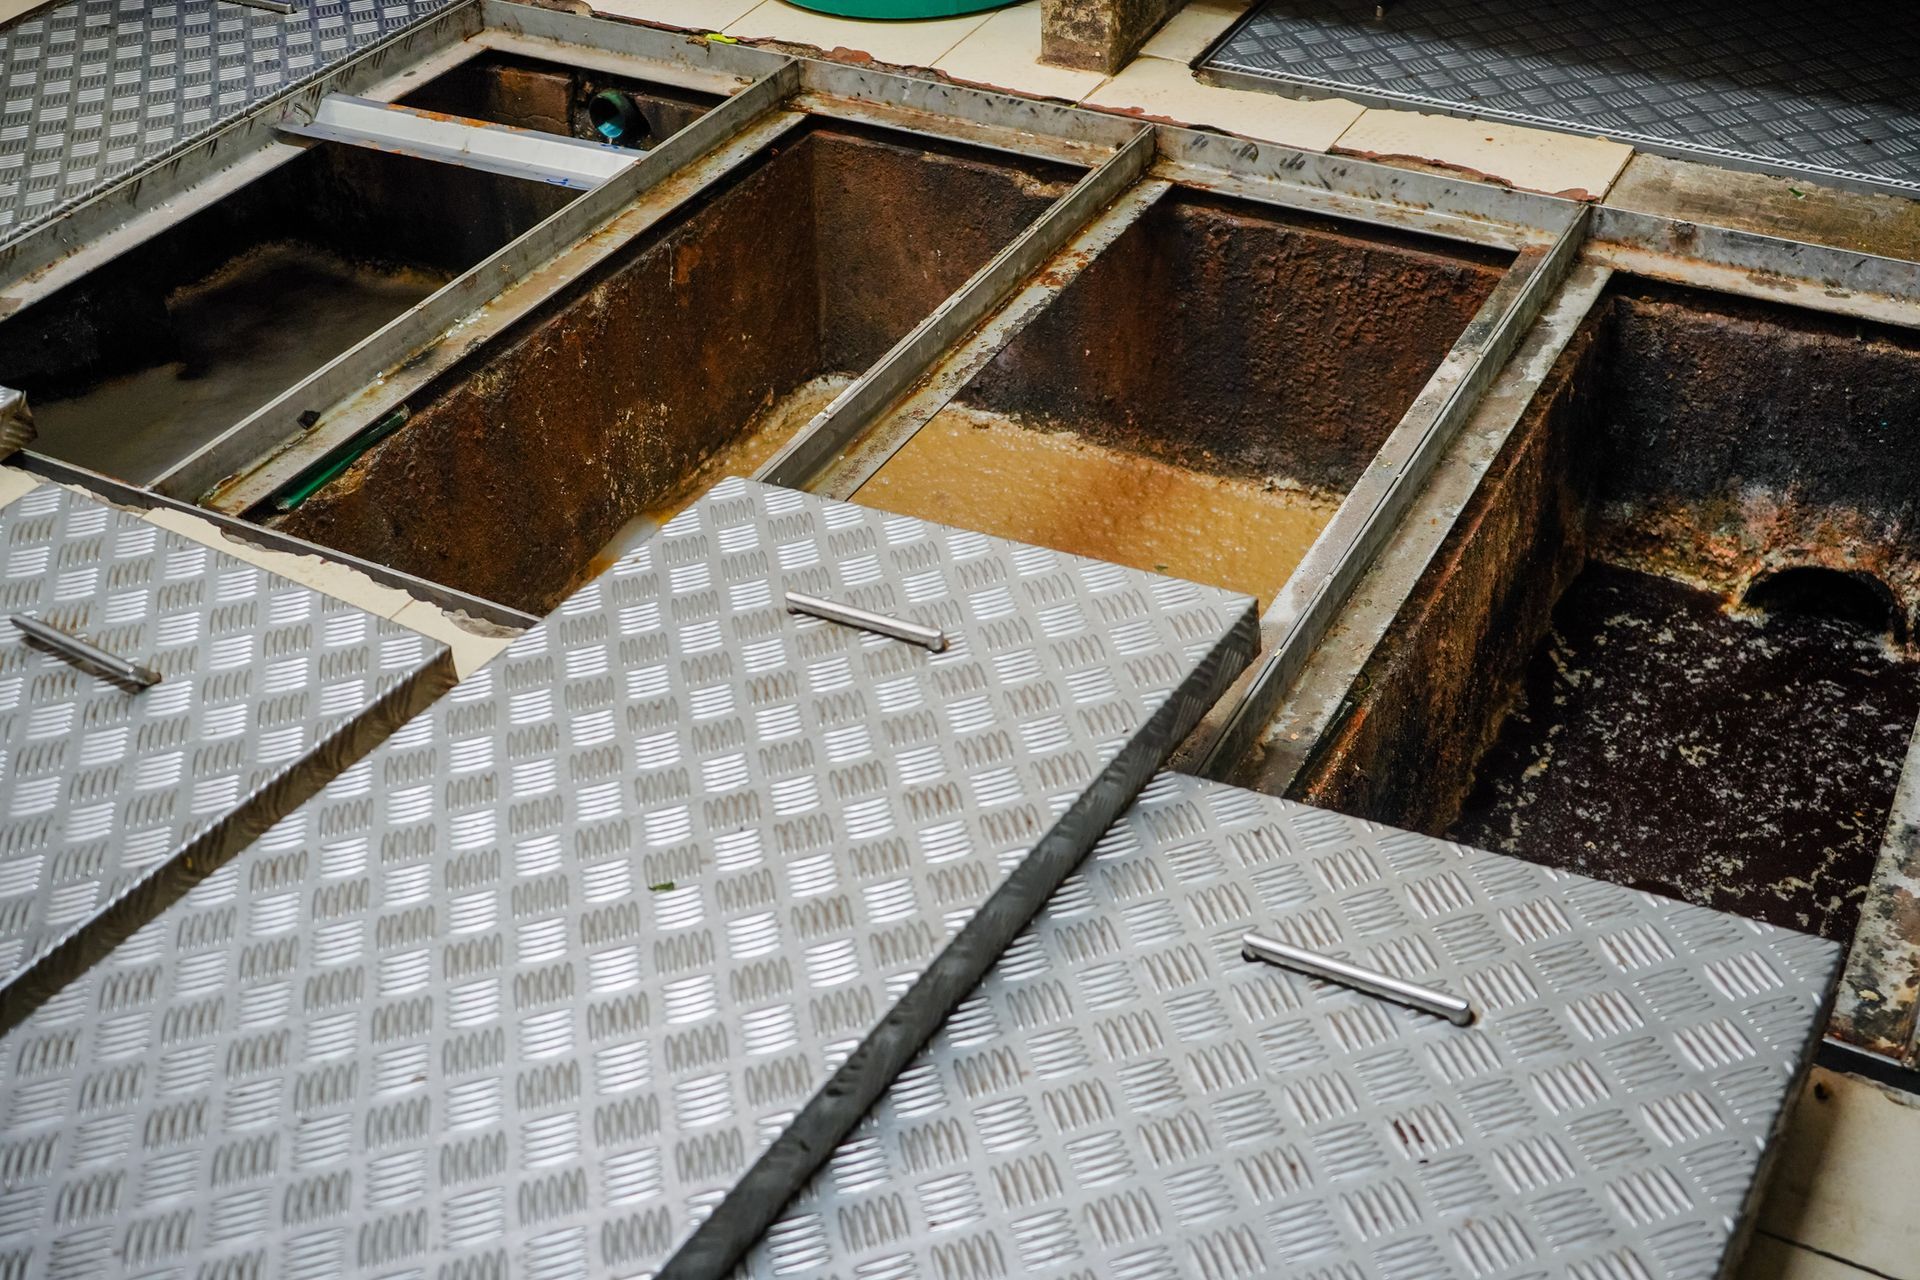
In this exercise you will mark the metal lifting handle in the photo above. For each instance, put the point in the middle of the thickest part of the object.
(849, 616)
(88, 657)
(1256, 946)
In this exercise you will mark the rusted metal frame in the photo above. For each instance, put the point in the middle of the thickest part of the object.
(898, 424)
(662, 66)
(877, 114)
(1878, 1002)
(133, 496)
(1360, 190)
(245, 463)
(193, 175)
(470, 335)
(1817, 277)
(1305, 607)
(679, 58)
(819, 445)
(1326, 688)
(957, 113)
(864, 95)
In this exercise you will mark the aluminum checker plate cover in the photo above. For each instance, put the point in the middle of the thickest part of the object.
(532, 988)
(95, 88)
(268, 690)
(1125, 1096)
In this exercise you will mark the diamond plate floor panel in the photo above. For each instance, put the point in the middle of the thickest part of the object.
(268, 689)
(1125, 1095)
(91, 88)
(534, 986)
(1823, 90)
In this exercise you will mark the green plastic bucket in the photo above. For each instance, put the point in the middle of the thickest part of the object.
(899, 8)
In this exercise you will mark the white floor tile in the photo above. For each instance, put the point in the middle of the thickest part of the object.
(471, 649)
(1848, 1179)
(1193, 29)
(1157, 89)
(1530, 159)
(1771, 1259)
(1004, 53)
(906, 44)
(15, 483)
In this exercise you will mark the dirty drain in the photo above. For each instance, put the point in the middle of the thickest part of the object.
(1745, 761)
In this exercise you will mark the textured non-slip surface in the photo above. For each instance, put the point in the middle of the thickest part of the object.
(93, 87)
(1817, 89)
(267, 688)
(530, 988)
(1126, 1096)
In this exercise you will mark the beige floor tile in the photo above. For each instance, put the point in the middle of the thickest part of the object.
(1771, 205)
(16, 483)
(1157, 89)
(1848, 1171)
(11, 9)
(1771, 1259)
(1531, 159)
(693, 15)
(474, 644)
(904, 44)
(1193, 29)
(1004, 53)
(324, 576)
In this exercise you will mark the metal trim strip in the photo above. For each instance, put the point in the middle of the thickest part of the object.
(806, 457)
(1305, 608)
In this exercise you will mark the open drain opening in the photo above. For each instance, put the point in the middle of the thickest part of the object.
(1573, 681)
(1814, 591)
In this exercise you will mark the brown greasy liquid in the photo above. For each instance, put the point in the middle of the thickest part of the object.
(1745, 763)
(979, 471)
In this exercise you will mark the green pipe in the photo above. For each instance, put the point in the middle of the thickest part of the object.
(616, 118)
(319, 475)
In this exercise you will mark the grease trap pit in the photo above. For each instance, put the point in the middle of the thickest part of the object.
(1668, 641)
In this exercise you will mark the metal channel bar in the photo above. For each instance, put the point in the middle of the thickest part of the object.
(897, 425)
(958, 113)
(1325, 690)
(553, 34)
(1304, 609)
(166, 189)
(1814, 276)
(574, 163)
(1361, 190)
(821, 442)
(347, 424)
(126, 495)
(1877, 1008)
(893, 428)
(241, 447)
